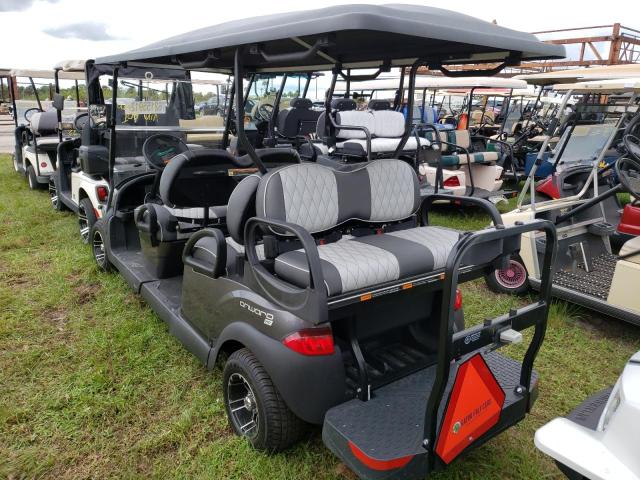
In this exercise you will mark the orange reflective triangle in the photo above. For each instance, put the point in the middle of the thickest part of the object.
(474, 407)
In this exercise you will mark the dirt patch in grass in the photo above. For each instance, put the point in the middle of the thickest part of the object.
(86, 293)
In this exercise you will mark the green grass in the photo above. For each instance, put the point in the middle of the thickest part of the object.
(93, 385)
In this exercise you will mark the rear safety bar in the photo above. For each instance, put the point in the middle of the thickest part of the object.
(452, 346)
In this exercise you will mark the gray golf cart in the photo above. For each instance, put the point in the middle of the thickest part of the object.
(316, 288)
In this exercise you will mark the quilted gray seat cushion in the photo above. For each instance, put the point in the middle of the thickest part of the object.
(363, 262)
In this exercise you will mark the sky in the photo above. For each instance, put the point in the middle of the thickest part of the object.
(40, 33)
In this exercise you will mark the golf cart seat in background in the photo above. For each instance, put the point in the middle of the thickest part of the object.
(44, 126)
(631, 246)
(382, 194)
(298, 119)
(458, 144)
(386, 128)
(374, 105)
(205, 121)
(194, 190)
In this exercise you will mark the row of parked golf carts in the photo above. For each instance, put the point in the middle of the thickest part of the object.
(280, 237)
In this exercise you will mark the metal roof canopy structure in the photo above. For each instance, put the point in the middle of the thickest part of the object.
(577, 74)
(335, 38)
(602, 86)
(354, 36)
(47, 74)
(436, 83)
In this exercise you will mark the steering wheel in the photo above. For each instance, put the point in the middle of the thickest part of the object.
(27, 115)
(81, 121)
(264, 111)
(632, 144)
(628, 173)
(159, 149)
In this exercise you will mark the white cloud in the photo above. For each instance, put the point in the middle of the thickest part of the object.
(94, 31)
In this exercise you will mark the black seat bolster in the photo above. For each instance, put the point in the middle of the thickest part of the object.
(206, 252)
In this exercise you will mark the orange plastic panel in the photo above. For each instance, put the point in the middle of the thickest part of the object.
(474, 407)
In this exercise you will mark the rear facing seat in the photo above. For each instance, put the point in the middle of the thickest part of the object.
(385, 126)
(44, 126)
(454, 157)
(321, 200)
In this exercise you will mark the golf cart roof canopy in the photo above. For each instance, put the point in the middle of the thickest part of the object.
(353, 36)
(48, 74)
(576, 74)
(624, 85)
(71, 66)
(436, 83)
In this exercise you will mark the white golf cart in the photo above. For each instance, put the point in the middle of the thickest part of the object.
(81, 181)
(599, 439)
(588, 214)
(37, 128)
(467, 168)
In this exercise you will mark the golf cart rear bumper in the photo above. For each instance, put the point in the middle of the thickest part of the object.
(577, 447)
(383, 437)
(44, 178)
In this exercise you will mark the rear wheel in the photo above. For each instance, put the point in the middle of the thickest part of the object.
(53, 195)
(255, 408)
(32, 178)
(512, 280)
(98, 250)
(86, 219)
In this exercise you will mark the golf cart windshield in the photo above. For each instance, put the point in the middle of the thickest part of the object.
(156, 103)
(586, 142)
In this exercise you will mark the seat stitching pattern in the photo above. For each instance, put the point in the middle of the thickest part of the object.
(310, 197)
(439, 241)
(360, 265)
(392, 194)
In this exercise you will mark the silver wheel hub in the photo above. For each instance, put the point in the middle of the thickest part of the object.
(243, 408)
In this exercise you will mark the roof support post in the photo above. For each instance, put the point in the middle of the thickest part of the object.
(243, 141)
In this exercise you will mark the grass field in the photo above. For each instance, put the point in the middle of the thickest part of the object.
(93, 386)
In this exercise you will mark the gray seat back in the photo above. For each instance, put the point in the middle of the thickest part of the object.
(320, 198)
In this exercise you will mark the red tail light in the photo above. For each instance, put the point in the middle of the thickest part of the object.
(311, 342)
(458, 304)
(452, 182)
(43, 164)
(102, 193)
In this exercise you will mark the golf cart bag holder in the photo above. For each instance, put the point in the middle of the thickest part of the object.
(421, 423)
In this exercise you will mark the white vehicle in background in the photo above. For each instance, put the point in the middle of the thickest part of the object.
(37, 126)
(599, 439)
(81, 181)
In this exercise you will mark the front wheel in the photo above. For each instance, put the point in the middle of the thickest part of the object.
(513, 280)
(254, 407)
(32, 178)
(86, 218)
(98, 249)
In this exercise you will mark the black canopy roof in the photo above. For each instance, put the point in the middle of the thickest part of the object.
(352, 35)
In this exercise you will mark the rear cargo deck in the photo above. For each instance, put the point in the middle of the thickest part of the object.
(391, 424)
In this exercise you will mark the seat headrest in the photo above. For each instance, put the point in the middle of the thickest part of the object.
(379, 105)
(320, 198)
(44, 123)
(298, 102)
(343, 104)
(198, 178)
